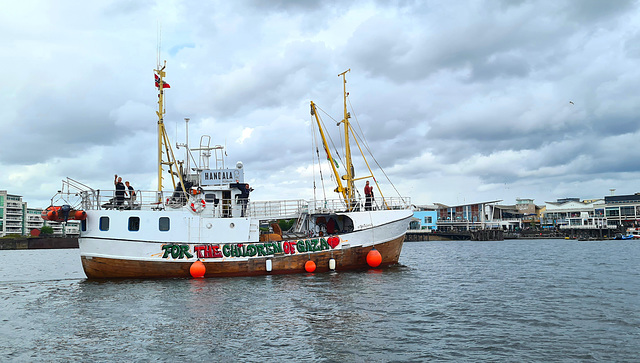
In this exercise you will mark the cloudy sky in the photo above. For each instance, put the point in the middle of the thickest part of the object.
(460, 102)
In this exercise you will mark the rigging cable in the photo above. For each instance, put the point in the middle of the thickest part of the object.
(329, 135)
(315, 142)
(313, 162)
(366, 146)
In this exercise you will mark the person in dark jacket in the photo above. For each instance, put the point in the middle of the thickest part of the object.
(244, 198)
(120, 190)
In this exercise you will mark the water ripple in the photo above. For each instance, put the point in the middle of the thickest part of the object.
(547, 300)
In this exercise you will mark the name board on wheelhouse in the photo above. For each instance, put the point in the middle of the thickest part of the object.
(221, 176)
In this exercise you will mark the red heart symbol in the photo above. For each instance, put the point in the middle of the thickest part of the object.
(333, 241)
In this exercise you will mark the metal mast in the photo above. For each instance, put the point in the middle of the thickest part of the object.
(350, 188)
(327, 150)
(163, 140)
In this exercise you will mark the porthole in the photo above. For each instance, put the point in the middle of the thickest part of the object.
(104, 223)
(164, 224)
(134, 223)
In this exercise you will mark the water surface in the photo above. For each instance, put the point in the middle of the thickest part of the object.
(517, 300)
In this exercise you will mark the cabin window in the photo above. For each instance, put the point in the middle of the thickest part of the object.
(134, 223)
(209, 197)
(164, 224)
(83, 225)
(104, 223)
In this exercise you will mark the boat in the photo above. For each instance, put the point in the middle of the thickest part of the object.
(205, 225)
(633, 233)
(62, 213)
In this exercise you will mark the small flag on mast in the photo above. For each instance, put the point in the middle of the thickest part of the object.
(164, 84)
(334, 161)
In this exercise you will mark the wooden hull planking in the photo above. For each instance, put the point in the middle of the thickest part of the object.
(353, 258)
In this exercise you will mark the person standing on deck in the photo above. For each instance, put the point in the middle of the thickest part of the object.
(132, 194)
(120, 190)
(244, 198)
(368, 194)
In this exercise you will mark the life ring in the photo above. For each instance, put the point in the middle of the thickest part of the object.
(198, 207)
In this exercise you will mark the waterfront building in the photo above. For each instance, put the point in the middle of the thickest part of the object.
(33, 219)
(18, 219)
(12, 214)
(465, 217)
(71, 229)
(425, 218)
(531, 213)
(572, 213)
(488, 215)
(623, 210)
(514, 217)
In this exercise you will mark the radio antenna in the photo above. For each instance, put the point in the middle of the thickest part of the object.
(159, 40)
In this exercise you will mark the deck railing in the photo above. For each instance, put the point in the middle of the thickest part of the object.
(283, 208)
(169, 200)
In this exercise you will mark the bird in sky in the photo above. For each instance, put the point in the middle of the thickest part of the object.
(571, 102)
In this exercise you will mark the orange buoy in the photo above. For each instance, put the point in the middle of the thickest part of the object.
(310, 266)
(197, 269)
(374, 258)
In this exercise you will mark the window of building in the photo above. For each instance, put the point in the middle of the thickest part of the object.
(164, 224)
(427, 219)
(104, 223)
(134, 223)
(627, 211)
(612, 211)
(83, 225)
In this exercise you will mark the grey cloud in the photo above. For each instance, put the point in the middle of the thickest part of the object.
(470, 97)
(500, 65)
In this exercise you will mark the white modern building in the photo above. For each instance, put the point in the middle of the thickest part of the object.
(12, 214)
(623, 210)
(572, 213)
(17, 219)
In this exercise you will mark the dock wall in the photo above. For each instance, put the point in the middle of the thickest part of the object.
(38, 243)
(499, 235)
